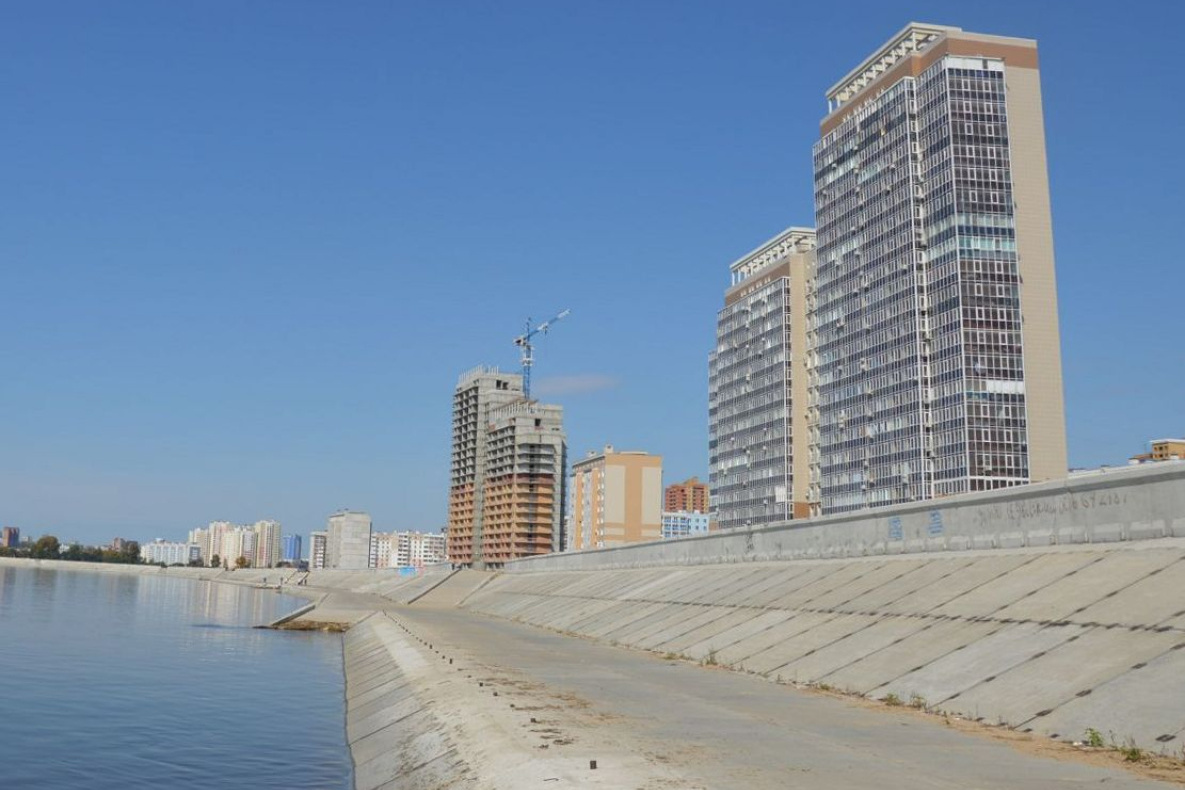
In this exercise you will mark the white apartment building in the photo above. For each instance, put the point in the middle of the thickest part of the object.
(170, 553)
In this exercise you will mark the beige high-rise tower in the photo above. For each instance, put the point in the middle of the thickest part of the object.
(935, 346)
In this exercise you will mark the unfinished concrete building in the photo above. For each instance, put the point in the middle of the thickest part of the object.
(506, 496)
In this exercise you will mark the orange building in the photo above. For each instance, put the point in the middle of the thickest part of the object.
(690, 496)
(1162, 450)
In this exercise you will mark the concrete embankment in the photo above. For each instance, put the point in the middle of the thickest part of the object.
(1053, 641)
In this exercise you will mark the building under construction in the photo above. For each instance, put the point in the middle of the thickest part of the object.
(506, 498)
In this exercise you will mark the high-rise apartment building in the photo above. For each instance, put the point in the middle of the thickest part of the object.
(616, 499)
(525, 488)
(317, 544)
(406, 549)
(347, 543)
(292, 548)
(418, 549)
(506, 495)
(268, 547)
(478, 391)
(10, 537)
(690, 496)
(238, 543)
(758, 441)
(936, 354)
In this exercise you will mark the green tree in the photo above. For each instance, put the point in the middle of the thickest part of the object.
(215, 561)
(73, 553)
(130, 553)
(45, 548)
(241, 562)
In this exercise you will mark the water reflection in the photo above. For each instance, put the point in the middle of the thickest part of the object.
(126, 692)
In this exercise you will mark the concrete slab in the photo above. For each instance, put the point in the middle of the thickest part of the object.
(400, 757)
(730, 619)
(1011, 586)
(899, 658)
(873, 580)
(616, 618)
(927, 573)
(981, 570)
(359, 726)
(795, 578)
(776, 634)
(685, 618)
(1154, 599)
(978, 662)
(761, 582)
(731, 580)
(755, 624)
(773, 660)
(662, 615)
(1044, 683)
(674, 638)
(1144, 704)
(1114, 571)
(367, 747)
(827, 659)
(840, 574)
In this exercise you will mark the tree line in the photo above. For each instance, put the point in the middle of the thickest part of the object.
(47, 547)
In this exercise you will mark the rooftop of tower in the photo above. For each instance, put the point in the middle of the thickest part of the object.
(911, 39)
(792, 239)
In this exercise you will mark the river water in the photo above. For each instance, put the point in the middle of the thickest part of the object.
(122, 681)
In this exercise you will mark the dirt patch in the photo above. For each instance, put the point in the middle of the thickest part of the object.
(311, 625)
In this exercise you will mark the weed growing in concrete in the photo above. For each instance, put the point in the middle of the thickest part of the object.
(892, 700)
(1094, 738)
(1131, 753)
(917, 701)
(710, 659)
(670, 656)
(824, 687)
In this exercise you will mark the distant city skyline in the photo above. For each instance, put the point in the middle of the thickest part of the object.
(240, 278)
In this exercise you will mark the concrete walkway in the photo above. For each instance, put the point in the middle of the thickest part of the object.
(673, 724)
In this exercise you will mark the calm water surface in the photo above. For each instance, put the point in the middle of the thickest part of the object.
(114, 681)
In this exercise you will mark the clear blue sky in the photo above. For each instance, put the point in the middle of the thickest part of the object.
(246, 247)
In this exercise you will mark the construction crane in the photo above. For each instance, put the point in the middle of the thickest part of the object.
(523, 341)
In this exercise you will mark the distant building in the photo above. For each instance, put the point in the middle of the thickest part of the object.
(238, 542)
(118, 544)
(616, 499)
(1162, 450)
(347, 545)
(170, 553)
(417, 549)
(691, 496)
(10, 537)
(682, 524)
(317, 544)
(292, 547)
(267, 544)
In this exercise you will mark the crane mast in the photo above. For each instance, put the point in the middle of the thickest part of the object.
(523, 341)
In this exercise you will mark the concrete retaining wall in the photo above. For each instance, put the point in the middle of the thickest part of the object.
(1053, 640)
(1122, 505)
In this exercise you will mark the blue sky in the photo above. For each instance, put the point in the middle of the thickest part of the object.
(246, 248)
